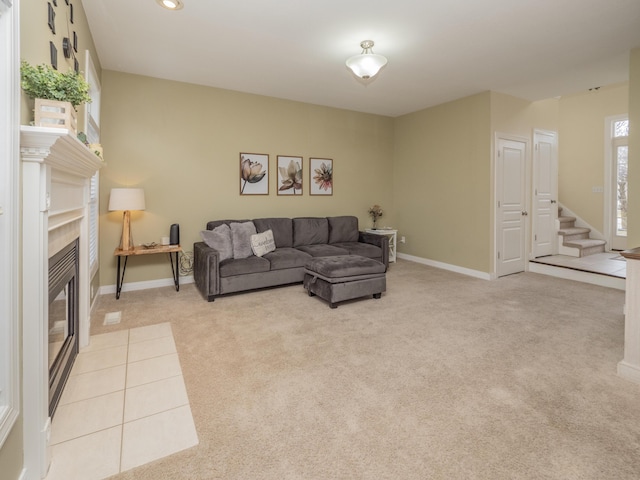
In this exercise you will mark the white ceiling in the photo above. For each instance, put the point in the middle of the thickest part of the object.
(438, 50)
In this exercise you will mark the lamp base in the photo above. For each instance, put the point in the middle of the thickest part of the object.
(126, 241)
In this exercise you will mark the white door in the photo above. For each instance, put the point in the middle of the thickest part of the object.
(511, 205)
(545, 193)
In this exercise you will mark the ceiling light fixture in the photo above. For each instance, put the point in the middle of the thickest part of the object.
(171, 4)
(367, 64)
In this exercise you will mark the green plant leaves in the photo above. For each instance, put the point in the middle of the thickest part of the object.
(44, 82)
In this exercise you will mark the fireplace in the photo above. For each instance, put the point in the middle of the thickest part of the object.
(63, 322)
(56, 176)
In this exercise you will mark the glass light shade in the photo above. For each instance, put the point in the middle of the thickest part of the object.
(126, 199)
(366, 65)
(171, 4)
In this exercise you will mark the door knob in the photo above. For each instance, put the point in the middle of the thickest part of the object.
(553, 201)
(524, 213)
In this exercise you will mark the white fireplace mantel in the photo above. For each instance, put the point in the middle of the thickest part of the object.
(56, 173)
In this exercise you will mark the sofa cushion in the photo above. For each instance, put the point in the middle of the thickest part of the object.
(323, 250)
(282, 229)
(241, 235)
(282, 258)
(362, 249)
(219, 239)
(343, 229)
(215, 223)
(241, 266)
(346, 267)
(262, 243)
(310, 231)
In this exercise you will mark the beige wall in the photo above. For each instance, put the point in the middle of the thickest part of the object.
(11, 453)
(581, 149)
(35, 36)
(633, 239)
(181, 143)
(442, 180)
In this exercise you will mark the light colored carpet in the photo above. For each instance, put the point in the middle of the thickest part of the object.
(445, 377)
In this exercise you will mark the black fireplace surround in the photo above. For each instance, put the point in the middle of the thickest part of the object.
(63, 321)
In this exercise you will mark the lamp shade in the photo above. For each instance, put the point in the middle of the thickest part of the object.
(126, 199)
(366, 65)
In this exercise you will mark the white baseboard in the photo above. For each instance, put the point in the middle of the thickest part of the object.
(628, 371)
(578, 276)
(132, 286)
(448, 266)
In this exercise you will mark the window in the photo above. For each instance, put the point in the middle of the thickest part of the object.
(92, 129)
(93, 224)
(616, 157)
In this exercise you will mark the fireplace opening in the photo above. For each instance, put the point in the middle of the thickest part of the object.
(63, 319)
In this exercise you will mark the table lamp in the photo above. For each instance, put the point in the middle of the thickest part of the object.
(126, 199)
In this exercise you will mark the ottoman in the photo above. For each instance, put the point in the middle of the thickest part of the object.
(344, 277)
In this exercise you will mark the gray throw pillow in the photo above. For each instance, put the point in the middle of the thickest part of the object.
(241, 236)
(220, 239)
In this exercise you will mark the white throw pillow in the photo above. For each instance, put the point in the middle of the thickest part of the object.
(262, 243)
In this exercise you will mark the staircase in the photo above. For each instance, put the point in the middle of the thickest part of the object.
(575, 241)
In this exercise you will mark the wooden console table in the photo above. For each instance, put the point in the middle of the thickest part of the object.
(141, 250)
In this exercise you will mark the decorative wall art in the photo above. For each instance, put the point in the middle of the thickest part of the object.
(51, 18)
(254, 174)
(320, 176)
(289, 175)
(53, 52)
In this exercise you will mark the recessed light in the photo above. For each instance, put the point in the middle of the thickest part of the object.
(171, 4)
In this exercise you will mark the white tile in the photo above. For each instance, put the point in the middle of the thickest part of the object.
(87, 416)
(150, 332)
(93, 384)
(106, 340)
(100, 359)
(153, 369)
(151, 348)
(156, 397)
(92, 457)
(157, 436)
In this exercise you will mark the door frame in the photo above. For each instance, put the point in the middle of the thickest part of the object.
(609, 162)
(494, 198)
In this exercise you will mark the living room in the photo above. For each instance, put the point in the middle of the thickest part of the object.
(181, 143)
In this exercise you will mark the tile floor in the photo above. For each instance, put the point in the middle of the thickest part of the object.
(124, 405)
(608, 263)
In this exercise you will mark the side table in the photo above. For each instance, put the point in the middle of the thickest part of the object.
(393, 239)
(141, 250)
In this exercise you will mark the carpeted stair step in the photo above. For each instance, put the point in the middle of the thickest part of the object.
(566, 222)
(574, 233)
(587, 246)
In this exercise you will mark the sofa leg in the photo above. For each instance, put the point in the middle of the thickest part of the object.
(377, 295)
(333, 305)
(210, 298)
(311, 294)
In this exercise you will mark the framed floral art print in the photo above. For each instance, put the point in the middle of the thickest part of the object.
(320, 176)
(289, 175)
(254, 174)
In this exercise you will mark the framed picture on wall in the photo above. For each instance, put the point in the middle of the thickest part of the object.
(254, 174)
(320, 176)
(53, 52)
(51, 18)
(289, 175)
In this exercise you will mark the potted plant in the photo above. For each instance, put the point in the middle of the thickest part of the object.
(56, 94)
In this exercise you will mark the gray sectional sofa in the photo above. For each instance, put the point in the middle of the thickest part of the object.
(297, 240)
